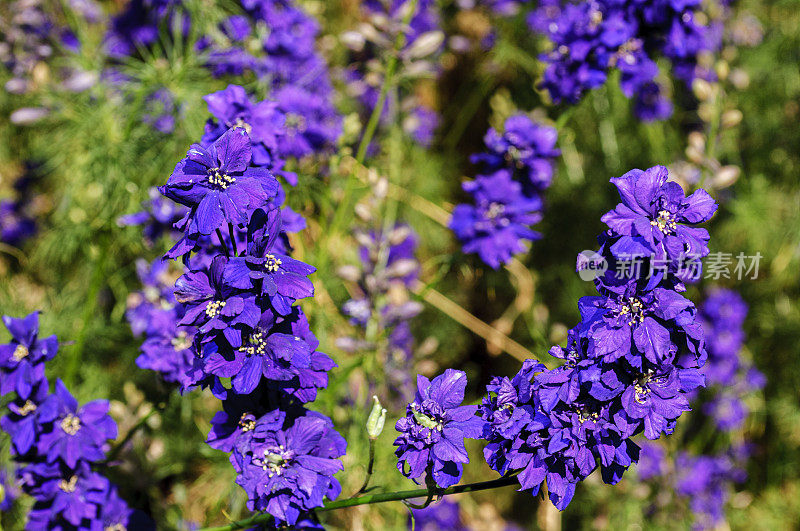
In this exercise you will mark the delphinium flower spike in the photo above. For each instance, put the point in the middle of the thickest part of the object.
(630, 365)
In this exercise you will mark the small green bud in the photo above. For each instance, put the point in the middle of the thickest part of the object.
(376, 419)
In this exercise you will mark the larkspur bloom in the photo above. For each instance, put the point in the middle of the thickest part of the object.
(656, 219)
(218, 184)
(629, 366)
(280, 277)
(590, 38)
(287, 471)
(216, 309)
(22, 421)
(158, 217)
(262, 121)
(15, 225)
(79, 433)
(443, 514)
(499, 221)
(63, 495)
(22, 360)
(524, 147)
(431, 440)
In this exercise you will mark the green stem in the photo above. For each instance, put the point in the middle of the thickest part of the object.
(374, 119)
(370, 467)
(383, 497)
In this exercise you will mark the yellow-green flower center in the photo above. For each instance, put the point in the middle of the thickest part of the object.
(219, 179)
(665, 222)
(20, 353)
(68, 485)
(214, 308)
(70, 424)
(272, 263)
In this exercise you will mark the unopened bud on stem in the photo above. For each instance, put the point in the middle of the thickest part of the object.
(376, 419)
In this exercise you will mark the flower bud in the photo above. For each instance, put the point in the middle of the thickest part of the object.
(376, 419)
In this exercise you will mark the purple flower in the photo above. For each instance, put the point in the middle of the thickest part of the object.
(263, 353)
(218, 184)
(160, 111)
(656, 218)
(525, 148)
(262, 121)
(432, 433)
(652, 461)
(442, 515)
(287, 472)
(215, 308)
(22, 360)
(63, 495)
(15, 226)
(645, 320)
(499, 221)
(280, 277)
(515, 427)
(310, 125)
(421, 124)
(727, 410)
(22, 422)
(78, 433)
(158, 217)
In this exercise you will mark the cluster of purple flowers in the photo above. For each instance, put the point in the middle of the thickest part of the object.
(56, 443)
(630, 363)
(507, 196)
(16, 222)
(729, 374)
(384, 22)
(590, 38)
(284, 57)
(230, 321)
(388, 269)
(706, 481)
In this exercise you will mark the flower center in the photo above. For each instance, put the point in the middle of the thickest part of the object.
(115, 527)
(295, 122)
(276, 460)
(20, 353)
(272, 264)
(242, 124)
(585, 415)
(256, 344)
(68, 485)
(634, 309)
(424, 420)
(219, 179)
(70, 424)
(27, 408)
(494, 210)
(182, 341)
(246, 423)
(665, 222)
(214, 308)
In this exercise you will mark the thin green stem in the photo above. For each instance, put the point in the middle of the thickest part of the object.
(374, 119)
(382, 497)
(370, 467)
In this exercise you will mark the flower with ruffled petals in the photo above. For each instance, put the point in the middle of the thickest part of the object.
(22, 360)
(432, 433)
(218, 183)
(79, 432)
(287, 472)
